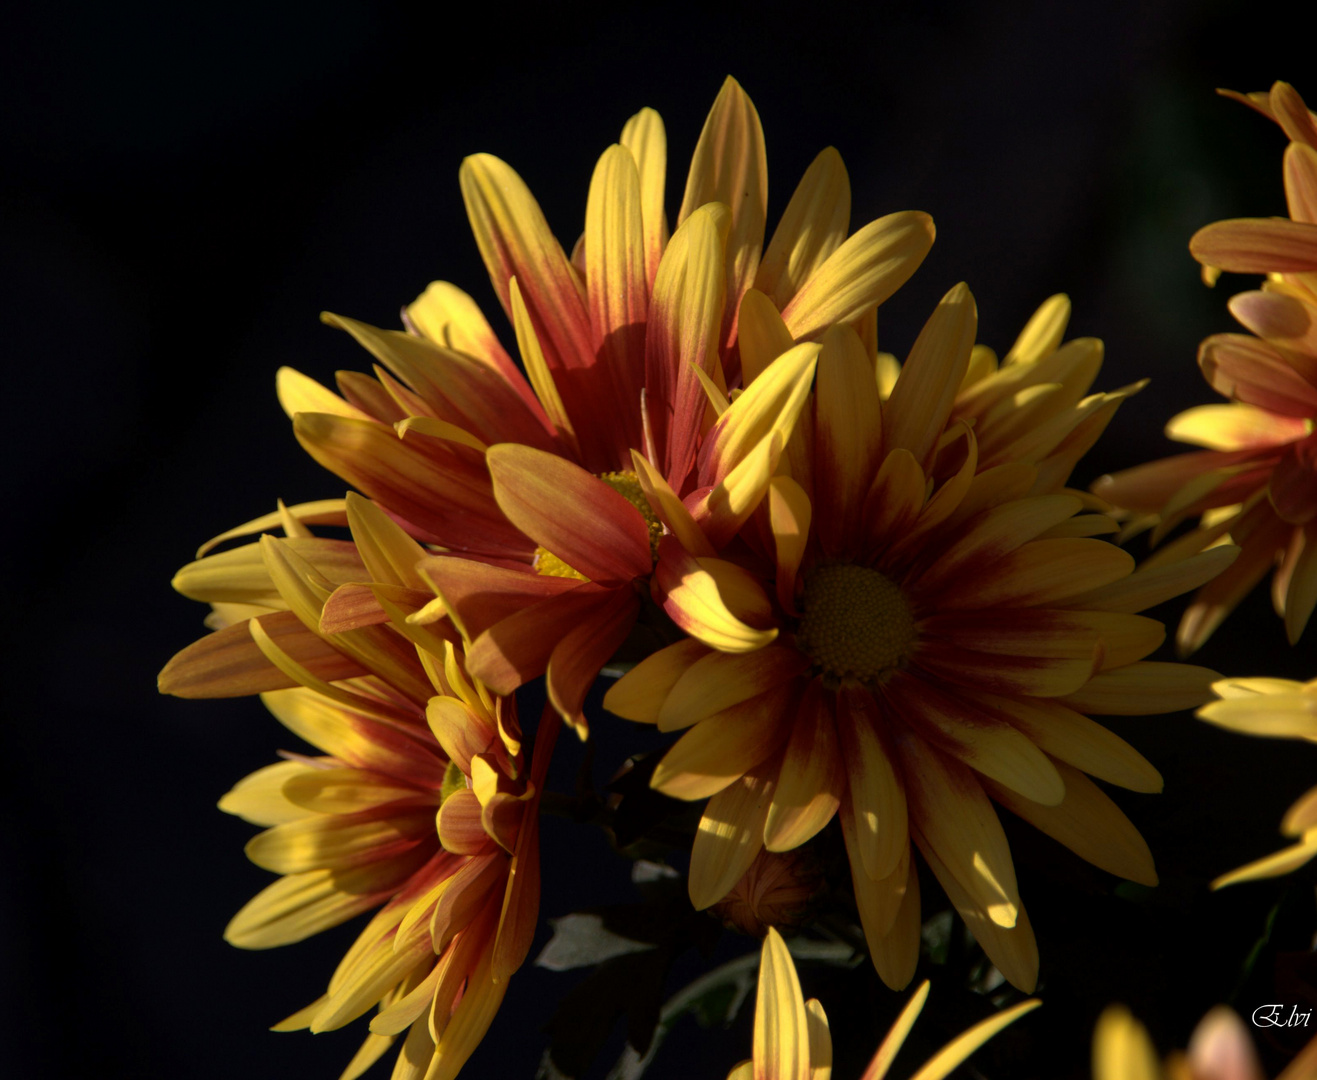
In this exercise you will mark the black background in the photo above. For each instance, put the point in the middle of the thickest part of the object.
(186, 187)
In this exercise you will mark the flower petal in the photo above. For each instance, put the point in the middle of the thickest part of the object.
(228, 662)
(729, 167)
(811, 228)
(723, 747)
(708, 597)
(1257, 246)
(1143, 689)
(570, 513)
(1088, 823)
(921, 401)
(640, 693)
(876, 800)
(645, 137)
(1249, 370)
(848, 438)
(813, 778)
(954, 818)
(730, 835)
(863, 272)
(781, 1037)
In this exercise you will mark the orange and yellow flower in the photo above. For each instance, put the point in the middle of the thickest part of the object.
(899, 637)
(1276, 709)
(1219, 1049)
(1255, 483)
(792, 1040)
(530, 481)
(418, 804)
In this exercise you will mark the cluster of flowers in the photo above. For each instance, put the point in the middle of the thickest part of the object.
(884, 604)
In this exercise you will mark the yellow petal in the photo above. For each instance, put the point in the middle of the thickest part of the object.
(896, 1035)
(1122, 1049)
(789, 514)
(515, 240)
(956, 820)
(812, 227)
(781, 1038)
(812, 780)
(717, 681)
(730, 835)
(770, 404)
(1282, 862)
(300, 393)
(848, 438)
(259, 798)
(723, 747)
(1277, 716)
(922, 398)
(641, 692)
(762, 336)
(1143, 689)
(645, 137)
(1088, 823)
(706, 598)
(321, 512)
(729, 167)
(1042, 333)
(615, 271)
(389, 553)
(820, 1041)
(670, 509)
(1074, 738)
(1234, 427)
(868, 268)
(950, 1057)
(1014, 950)
(876, 789)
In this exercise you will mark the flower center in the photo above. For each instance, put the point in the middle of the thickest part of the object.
(857, 623)
(628, 486)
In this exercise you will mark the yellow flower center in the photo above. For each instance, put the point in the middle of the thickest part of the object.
(628, 486)
(857, 623)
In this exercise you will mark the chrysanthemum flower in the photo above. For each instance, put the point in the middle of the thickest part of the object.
(1277, 709)
(792, 1041)
(1219, 1049)
(899, 638)
(419, 805)
(1256, 481)
(531, 478)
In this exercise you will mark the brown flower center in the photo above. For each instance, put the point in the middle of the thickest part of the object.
(857, 623)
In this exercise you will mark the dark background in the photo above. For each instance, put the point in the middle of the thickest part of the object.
(186, 187)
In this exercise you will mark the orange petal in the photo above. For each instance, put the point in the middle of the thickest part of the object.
(570, 513)
(228, 662)
(1257, 246)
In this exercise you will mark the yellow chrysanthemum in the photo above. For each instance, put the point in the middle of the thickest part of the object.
(901, 636)
(1256, 482)
(1277, 709)
(529, 480)
(792, 1041)
(1220, 1049)
(419, 805)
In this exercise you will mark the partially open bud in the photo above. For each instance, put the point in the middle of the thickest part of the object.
(777, 891)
